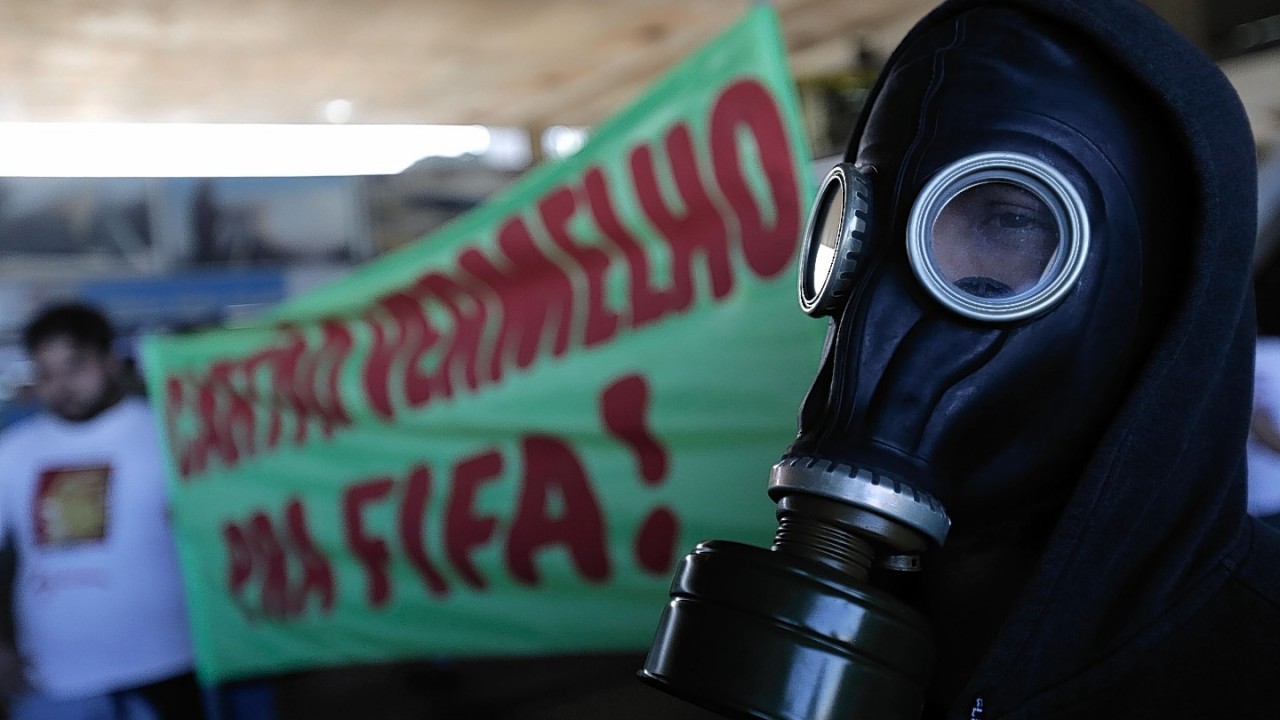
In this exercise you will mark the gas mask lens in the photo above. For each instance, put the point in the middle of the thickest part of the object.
(827, 238)
(998, 236)
(833, 240)
(995, 240)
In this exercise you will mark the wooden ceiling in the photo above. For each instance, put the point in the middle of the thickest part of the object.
(519, 63)
(497, 62)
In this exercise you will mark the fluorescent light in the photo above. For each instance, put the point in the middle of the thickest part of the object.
(562, 141)
(226, 150)
(338, 111)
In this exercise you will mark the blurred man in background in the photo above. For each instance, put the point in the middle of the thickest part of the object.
(100, 621)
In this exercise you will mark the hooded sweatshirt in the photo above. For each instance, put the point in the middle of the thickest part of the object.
(1155, 596)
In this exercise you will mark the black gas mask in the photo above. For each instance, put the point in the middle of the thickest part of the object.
(984, 258)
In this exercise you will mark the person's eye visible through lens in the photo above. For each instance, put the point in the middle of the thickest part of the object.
(1021, 218)
(995, 239)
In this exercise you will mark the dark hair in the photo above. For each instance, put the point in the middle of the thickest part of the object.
(83, 324)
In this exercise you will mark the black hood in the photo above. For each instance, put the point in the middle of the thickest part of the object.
(1150, 527)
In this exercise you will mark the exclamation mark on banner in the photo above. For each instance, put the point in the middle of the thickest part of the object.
(625, 407)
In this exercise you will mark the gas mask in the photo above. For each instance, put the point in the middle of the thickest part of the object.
(984, 260)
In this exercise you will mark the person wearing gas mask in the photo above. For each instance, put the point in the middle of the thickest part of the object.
(1018, 485)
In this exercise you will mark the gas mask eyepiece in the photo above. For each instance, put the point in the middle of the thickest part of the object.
(835, 240)
(998, 236)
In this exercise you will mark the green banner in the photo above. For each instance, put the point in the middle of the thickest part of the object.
(499, 440)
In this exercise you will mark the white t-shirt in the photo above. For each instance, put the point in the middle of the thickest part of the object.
(1264, 463)
(98, 600)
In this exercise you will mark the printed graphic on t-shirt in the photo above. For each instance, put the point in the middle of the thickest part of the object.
(71, 505)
